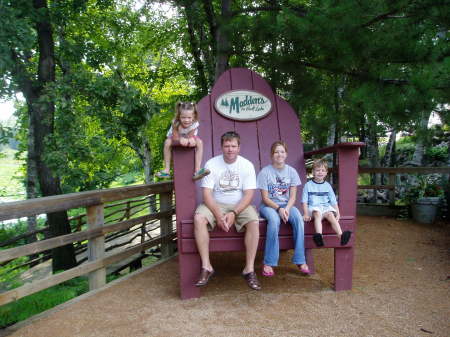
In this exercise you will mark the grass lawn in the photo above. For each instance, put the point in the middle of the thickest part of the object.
(11, 187)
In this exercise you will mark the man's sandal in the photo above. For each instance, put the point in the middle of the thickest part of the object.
(252, 280)
(204, 277)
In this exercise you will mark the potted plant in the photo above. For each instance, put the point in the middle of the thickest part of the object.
(424, 196)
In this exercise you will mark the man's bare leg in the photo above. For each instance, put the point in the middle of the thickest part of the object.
(251, 245)
(202, 240)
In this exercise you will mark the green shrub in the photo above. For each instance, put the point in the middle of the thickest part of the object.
(46, 299)
(437, 153)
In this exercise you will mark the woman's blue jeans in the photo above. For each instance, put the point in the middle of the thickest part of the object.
(272, 247)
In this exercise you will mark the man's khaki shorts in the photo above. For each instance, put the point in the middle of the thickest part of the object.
(247, 215)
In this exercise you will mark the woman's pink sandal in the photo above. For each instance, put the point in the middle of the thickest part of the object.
(268, 274)
(304, 269)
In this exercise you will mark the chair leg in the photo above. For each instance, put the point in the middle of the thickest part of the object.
(343, 268)
(189, 267)
(310, 260)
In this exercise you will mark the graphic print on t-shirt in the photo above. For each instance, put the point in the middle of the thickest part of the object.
(279, 188)
(318, 198)
(229, 181)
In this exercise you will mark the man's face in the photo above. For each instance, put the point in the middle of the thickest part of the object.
(230, 149)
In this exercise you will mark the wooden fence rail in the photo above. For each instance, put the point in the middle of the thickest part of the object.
(392, 173)
(98, 258)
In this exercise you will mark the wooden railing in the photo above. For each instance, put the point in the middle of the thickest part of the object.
(392, 173)
(95, 203)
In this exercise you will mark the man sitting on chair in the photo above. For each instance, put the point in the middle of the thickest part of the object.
(227, 194)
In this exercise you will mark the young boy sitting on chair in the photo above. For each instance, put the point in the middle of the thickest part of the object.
(319, 202)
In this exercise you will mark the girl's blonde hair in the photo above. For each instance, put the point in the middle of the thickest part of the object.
(320, 163)
(278, 143)
(184, 106)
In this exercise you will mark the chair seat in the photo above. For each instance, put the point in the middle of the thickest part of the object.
(233, 241)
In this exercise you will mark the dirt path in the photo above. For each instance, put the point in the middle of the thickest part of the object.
(401, 288)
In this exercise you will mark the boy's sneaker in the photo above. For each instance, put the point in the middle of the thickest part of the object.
(201, 173)
(318, 239)
(345, 237)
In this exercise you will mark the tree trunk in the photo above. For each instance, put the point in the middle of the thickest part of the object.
(41, 113)
(223, 43)
(419, 151)
(373, 153)
(31, 183)
(389, 155)
(147, 161)
(210, 53)
(195, 47)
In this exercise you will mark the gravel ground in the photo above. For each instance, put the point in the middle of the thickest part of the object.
(400, 288)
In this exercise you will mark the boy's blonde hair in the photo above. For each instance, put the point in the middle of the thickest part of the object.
(184, 106)
(320, 163)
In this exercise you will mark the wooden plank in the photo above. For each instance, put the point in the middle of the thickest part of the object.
(205, 132)
(219, 124)
(268, 128)
(410, 170)
(348, 175)
(378, 187)
(20, 209)
(37, 247)
(96, 246)
(166, 224)
(392, 192)
(334, 148)
(50, 281)
(290, 133)
(242, 79)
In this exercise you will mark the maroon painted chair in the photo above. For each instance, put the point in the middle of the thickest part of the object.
(256, 139)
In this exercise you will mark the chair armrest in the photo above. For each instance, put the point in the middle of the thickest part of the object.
(335, 148)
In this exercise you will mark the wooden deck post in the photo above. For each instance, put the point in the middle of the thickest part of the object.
(96, 246)
(165, 201)
(391, 193)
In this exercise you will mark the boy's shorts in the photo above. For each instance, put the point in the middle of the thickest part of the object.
(243, 218)
(322, 210)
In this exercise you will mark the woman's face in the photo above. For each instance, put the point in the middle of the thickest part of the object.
(279, 155)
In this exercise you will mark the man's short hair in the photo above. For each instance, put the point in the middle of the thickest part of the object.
(230, 135)
(320, 163)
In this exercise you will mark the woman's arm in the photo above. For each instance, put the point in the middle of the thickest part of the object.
(284, 215)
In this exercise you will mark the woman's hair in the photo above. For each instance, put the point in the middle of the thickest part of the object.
(184, 106)
(320, 163)
(278, 143)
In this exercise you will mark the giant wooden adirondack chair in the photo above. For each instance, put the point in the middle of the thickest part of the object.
(281, 123)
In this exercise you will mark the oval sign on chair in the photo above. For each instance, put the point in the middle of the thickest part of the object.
(243, 105)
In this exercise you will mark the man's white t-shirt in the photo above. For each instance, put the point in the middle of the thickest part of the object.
(228, 181)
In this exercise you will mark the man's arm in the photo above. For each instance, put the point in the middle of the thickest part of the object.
(246, 199)
(209, 201)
